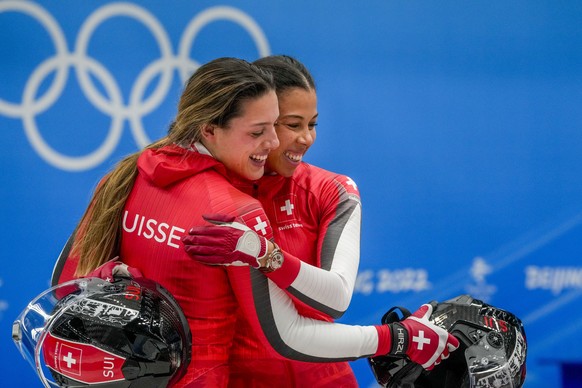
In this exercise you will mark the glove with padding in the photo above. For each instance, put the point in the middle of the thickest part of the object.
(114, 268)
(225, 242)
(421, 340)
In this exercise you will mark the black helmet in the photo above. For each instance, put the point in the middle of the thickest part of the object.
(492, 349)
(128, 333)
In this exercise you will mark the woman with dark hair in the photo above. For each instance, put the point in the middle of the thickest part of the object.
(316, 216)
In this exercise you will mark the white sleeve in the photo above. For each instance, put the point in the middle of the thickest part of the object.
(330, 289)
(306, 339)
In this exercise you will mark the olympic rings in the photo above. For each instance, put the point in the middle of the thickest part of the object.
(111, 104)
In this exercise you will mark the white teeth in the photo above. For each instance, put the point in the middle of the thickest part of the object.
(259, 158)
(293, 157)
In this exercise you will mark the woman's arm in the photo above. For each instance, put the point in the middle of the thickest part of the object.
(328, 289)
(272, 316)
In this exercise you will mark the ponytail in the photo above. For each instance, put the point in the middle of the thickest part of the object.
(98, 235)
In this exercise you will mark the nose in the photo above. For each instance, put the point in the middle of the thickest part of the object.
(272, 141)
(306, 137)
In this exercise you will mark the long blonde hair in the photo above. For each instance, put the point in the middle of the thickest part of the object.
(214, 94)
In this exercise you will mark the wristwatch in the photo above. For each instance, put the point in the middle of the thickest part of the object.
(274, 260)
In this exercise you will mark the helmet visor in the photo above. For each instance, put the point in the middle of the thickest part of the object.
(489, 367)
(30, 329)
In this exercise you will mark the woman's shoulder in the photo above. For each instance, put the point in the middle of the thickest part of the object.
(308, 175)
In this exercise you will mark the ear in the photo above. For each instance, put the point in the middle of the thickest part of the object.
(207, 131)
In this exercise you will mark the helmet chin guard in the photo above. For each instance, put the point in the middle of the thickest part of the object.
(127, 333)
(492, 351)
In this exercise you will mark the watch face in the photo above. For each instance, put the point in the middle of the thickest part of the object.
(276, 260)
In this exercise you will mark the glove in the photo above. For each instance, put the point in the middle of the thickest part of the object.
(114, 268)
(226, 242)
(421, 340)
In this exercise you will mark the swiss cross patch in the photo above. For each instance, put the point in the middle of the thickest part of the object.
(81, 362)
(349, 184)
(285, 208)
(70, 358)
(257, 221)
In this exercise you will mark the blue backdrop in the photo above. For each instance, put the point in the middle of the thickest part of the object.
(460, 122)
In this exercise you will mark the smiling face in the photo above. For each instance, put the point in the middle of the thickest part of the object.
(243, 145)
(295, 130)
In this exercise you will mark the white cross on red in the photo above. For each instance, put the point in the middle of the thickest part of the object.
(350, 182)
(288, 208)
(420, 340)
(261, 226)
(70, 360)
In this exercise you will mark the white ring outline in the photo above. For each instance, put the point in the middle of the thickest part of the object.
(44, 149)
(133, 109)
(53, 28)
(137, 107)
(210, 15)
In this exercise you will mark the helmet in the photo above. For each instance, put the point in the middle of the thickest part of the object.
(492, 349)
(127, 333)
